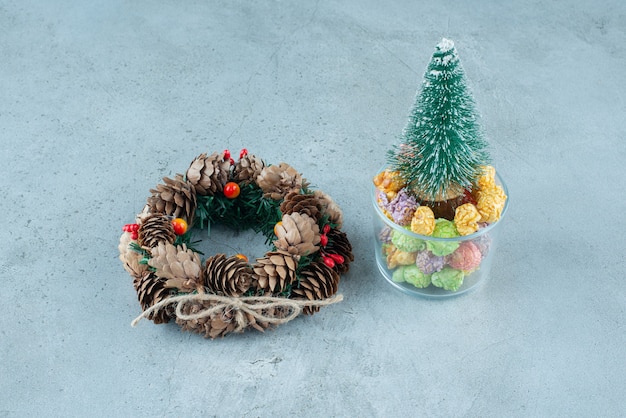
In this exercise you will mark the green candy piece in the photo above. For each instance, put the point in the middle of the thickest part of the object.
(443, 229)
(441, 248)
(413, 275)
(398, 275)
(406, 243)
(448, 278)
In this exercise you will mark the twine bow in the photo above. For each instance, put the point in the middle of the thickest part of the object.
(252, 305)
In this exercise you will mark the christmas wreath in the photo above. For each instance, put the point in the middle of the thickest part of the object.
(224, 293)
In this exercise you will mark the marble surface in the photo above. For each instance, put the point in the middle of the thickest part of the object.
(102, 99)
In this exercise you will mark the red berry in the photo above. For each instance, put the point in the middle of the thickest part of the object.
(337, 258)
(131, 228)
(323, 240)
(134, 235)
(243, 153)
(231, 190)
(180, 226)
(226, 155)
(326, 229)
(329, 261)
(232, 162)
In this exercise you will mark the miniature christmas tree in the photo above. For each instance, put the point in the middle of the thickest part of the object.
(442, 148)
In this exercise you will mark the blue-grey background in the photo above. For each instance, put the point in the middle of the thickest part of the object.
(101, 99)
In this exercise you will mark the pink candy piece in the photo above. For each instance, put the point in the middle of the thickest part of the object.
(467, 257)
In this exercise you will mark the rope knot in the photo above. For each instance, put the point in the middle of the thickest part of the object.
(261, 308)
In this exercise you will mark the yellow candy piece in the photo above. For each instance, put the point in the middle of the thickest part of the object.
(390, 182)
(466, 218)
(488, 178)
(423, 221)
(490, 202)
(400, 258)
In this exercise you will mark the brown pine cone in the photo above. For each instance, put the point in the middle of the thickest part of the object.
(179, 265)
(306, 204)
(176, 198)
(248, 168)
(297, 234)
(338, 244)
(278, 180)
(276, 271)
(230, 276)
(277, 312)
(209, 174)
(317, 282)
(151, 290)
(130, 258)
(155, 228)
(330, 208)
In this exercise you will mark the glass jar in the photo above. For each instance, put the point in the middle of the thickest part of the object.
(430, 266)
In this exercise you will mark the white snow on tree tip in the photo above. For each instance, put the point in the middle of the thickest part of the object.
(445, 45)
(446, 60)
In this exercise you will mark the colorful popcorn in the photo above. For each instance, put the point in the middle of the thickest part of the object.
(467, 257)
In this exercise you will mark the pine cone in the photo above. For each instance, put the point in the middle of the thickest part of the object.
(338, 244)
(130, 258)
(179, 265)
(227, 276)
(151, 289)
(215, 325)
(317, 282)
(275, 271)
(176, 198)
(330, 208)
(248, 168)
(209, 174)
(278, 180)
(297, 234)
(301, 203)
(156, 228)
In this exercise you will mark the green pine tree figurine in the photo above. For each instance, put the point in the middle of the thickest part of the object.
(442, 148)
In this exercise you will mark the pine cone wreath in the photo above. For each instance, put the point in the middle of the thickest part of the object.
(276, 271)
(297, 234)
(230, 276)
(338, 244)
(176, 198)
(179, 265)
(248, 168)
(225, 294)
(306, 204)
(155, 228)
(317, 282)
(151, 289)
(209, 174)
(278, 180)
